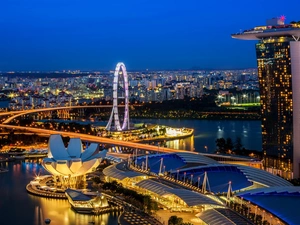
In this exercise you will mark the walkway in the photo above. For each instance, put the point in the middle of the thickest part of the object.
(137, 217)
(164, 215)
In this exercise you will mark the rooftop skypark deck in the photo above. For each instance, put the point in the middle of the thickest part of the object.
(261, 32)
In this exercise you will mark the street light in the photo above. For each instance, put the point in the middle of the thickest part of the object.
(244, 98)
(220, 98)
(255, 212)
(232, 99)
(249, 204)
(206, 148)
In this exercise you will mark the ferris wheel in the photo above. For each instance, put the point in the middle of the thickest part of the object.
(115, 113)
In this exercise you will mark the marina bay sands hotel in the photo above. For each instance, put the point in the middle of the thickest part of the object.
(278, 61)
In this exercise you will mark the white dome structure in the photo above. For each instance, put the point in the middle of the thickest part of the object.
(73, 161)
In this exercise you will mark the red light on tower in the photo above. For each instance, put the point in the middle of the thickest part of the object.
(282, 18)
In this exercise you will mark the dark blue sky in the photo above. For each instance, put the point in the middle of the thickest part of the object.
(153, 34)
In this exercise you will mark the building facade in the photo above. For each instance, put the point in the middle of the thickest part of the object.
(275, 79)
(278, 62)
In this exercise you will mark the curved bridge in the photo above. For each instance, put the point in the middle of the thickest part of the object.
(84, 137)
(91, 138)
(100, 140)
(24, 112)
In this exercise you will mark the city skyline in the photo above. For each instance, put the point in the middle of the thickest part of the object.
(41, 35)
(202, 129)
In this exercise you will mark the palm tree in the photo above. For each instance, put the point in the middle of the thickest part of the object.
(221, 143)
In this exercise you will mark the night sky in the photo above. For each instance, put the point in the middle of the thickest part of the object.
(154, 34)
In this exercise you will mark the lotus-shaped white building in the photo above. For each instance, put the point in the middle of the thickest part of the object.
(71, 163)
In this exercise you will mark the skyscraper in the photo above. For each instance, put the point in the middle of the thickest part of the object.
(278, 62)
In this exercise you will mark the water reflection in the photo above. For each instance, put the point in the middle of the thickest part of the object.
(186, 143)
(65, 215)
(207, 131)
(59, 212)
(19, 207)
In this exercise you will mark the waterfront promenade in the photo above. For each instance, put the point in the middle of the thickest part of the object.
(129, 213)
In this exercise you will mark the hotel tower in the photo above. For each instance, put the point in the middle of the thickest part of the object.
(278, 62)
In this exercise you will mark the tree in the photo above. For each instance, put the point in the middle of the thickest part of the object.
(96, 180)
(238, 144)
(147, 203)
(228, 145)
(154, 205)
(174, 220)
(221, 142)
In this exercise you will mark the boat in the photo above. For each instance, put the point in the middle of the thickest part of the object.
(19, 157)
(2, 170)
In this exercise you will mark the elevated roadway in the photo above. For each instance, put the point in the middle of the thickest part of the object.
(11, 112)
(25, 112)
(83, 137)
(101, 140)
(91, 138)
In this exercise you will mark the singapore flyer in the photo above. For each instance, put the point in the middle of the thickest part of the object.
(115, 113)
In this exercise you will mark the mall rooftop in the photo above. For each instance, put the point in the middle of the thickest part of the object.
(274, 198)
(190, 166)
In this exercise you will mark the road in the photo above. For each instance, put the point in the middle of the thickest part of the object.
(83, 137)
(24, 112)
(92, 138)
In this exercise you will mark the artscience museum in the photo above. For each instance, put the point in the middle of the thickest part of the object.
(70, 165)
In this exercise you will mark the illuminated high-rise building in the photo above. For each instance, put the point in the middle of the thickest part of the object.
(278, 61)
